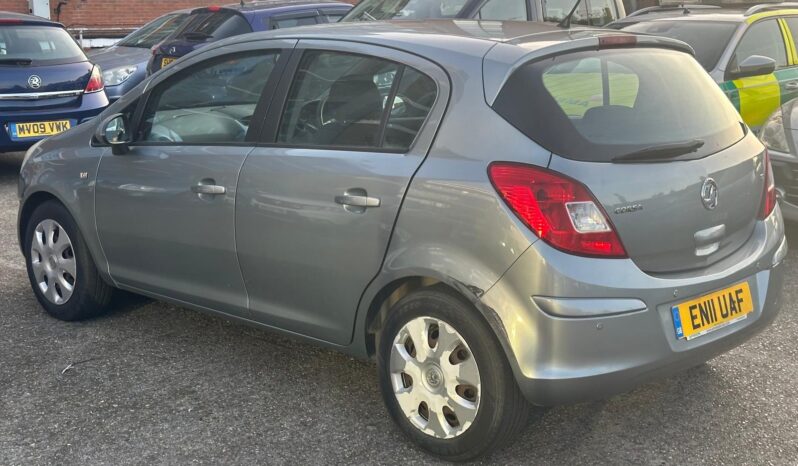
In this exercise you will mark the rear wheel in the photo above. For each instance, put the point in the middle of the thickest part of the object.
(445, 379)
(61, 272)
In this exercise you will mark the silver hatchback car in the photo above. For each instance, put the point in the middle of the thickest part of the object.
(499, 214)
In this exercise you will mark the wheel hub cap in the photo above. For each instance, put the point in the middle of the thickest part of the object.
(52, 260)
(435, 377)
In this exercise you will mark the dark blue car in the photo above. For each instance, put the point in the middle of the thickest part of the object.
(47, 85)
(213, 23)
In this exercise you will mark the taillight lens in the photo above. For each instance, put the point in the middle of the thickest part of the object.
(769, 194)
(559, 210)
(95, 81)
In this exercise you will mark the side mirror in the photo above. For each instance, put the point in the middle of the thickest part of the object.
(113, 131)
(755, 65)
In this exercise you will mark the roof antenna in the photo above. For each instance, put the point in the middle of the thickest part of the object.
(566, 22)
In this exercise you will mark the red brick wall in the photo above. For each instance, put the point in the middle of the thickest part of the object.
(112, 13)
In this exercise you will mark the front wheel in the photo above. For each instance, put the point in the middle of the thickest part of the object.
(61, 271)
(445, 378)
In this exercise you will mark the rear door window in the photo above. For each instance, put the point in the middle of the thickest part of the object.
(210, 103)
(762, 38)
(342, 100)
(599, 105)
(38, 45)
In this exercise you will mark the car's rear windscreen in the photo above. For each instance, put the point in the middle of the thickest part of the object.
(600, 105)
(154, 32)
(214, 25)
(708, 38)
(38, 45)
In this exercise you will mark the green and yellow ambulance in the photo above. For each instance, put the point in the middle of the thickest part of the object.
(751, 53)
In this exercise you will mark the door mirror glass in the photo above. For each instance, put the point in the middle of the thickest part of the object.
(114, 132)
(755, 65)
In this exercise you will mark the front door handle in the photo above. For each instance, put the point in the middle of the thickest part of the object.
(210, 189)
(357, 201)
(791, 85)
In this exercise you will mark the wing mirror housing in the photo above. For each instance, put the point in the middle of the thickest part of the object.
(114, 132)
(755, 65)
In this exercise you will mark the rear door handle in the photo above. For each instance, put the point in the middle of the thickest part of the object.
(357, 201)
(210, 189)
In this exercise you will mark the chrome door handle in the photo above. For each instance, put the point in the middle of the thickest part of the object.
(792, 85)
(353, 200)
(210, 189)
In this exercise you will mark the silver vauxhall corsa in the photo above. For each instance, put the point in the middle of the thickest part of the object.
(498, 214)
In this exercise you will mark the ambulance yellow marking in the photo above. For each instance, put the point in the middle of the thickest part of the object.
(759, 95)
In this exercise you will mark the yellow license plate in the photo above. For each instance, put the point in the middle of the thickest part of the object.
(40, 129)
(710, 312)
(166, 61)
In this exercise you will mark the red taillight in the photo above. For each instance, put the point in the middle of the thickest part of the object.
(10, 21)
(95, 81)
(561, 211)
(616, 41)
(769, 193)
(214, 8)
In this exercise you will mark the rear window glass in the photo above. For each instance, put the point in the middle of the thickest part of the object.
(39, 44)
(214, 25)
(709, 39)
(153, 32)
(377, 10)
(599, 105)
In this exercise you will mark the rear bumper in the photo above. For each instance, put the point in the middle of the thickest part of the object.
(91, 106)
(560, 360)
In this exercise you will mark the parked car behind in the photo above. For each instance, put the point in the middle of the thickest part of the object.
(124, 64)
(780, 134)
(207, 25)
(751, 53)
(593, 12)
(610, 221)
(47, 85)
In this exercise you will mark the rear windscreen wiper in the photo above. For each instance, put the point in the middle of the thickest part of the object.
(661, 151)
(16, 61)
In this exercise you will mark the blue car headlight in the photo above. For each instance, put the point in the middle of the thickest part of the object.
(116, 76)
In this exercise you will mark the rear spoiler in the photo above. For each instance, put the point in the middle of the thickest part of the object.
(504, 58)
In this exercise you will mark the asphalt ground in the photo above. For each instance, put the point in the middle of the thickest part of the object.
(153, 383)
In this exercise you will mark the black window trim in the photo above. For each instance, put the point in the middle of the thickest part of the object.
(261, 108)
(271, 126)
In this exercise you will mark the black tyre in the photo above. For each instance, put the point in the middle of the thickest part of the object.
(445, 378)
(61, 271)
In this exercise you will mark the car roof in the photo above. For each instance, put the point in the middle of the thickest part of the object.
(27, 19)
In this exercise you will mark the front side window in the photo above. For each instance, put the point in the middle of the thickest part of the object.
(38, 45)
(503, 10)
(381, 10)
(210, 103)
(341, 100)
(601, 105)
(762, 38)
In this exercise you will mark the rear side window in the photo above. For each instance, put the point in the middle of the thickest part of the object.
(210, 103)
(39, 45)
(503, 10)
(598, 105)
(282, 23)
(762, 38)
(341, 100)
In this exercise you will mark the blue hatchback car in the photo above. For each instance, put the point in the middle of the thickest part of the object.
(213, 23)
(47, 85)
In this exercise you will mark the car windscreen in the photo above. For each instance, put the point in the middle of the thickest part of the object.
(379, 10)
(214, 25)
(153, 32)
(708, 38)
(37, 45)
(604, 105)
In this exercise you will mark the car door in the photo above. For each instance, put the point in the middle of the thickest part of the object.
(758, 96)
(318, 200)
(165, 210)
